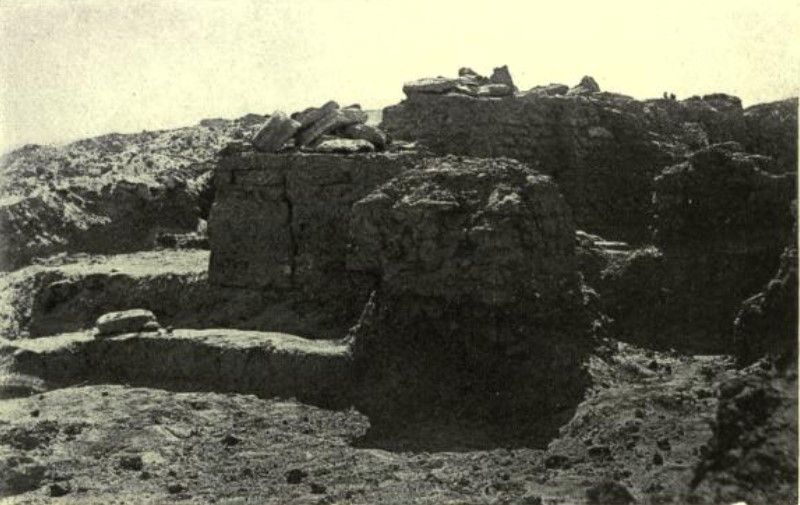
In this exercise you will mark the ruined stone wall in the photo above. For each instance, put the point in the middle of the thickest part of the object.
(479, 308)
(280, 222)
(603, 149)
(720, 222)
(598, 150)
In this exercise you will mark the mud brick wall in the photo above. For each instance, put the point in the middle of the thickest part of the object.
(603, 150)
(281, 221)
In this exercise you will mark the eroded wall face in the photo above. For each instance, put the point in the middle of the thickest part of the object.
(281, 221)
(603, 150)
(249, 224)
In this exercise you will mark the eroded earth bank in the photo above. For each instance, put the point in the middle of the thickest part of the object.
(492, 296)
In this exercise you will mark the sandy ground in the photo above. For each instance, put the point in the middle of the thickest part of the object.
(642, 426)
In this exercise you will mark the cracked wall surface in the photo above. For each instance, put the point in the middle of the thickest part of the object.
(602, 149)
(281, 222)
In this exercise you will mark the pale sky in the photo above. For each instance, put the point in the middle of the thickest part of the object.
(72, 69)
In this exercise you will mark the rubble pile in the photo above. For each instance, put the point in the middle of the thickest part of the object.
(468, 82)
(326, 129)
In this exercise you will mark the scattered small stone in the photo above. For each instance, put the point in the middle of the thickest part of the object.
(609, 493)
(126, 321)
(317, 488)
(176, 488)
(295, 476)
(131, 462)
(658, 459)
(230, 440)
(35, 413)
(20, 475)
(653, 365)
(599, 452)
(59, 489)
(73, 429)
(531, 499)
(145, 475)
(663, 444)
(557, 461)
(702, 393)
(639, 413)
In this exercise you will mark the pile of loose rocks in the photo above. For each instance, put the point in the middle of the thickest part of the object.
(498, 85)
(468, 82)
(326, 129)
